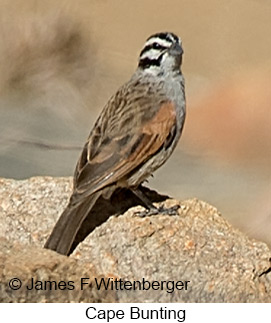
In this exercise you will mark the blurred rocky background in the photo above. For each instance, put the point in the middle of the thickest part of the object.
(60, 61)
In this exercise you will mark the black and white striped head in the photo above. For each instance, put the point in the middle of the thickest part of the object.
(162, 53)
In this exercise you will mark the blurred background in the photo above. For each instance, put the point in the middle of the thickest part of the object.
(60, 61)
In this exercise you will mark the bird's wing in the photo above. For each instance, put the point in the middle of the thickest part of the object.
(120, 155)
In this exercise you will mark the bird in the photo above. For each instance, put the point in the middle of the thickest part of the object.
(135, 133)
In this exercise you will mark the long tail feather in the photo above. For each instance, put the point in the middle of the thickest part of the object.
(67, 226)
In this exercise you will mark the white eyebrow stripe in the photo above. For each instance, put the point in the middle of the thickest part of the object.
(158, 40)
(151, 54)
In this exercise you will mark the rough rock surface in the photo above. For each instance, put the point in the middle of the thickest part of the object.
(56, 278)
(197, 245)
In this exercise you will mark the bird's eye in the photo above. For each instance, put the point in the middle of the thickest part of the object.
(157, 46)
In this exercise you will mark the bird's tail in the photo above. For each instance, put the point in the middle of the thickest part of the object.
(67, 226)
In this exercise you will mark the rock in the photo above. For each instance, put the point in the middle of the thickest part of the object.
(45, 276)
(197, 252)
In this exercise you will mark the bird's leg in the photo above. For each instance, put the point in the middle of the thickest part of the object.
(151, 209)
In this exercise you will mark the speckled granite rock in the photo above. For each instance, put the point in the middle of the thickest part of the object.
(44, 276)
(198, 245)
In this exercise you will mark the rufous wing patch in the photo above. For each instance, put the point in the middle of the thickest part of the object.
(117, 163)
(162, 121)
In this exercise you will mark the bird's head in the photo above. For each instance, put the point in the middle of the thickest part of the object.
(162, 53)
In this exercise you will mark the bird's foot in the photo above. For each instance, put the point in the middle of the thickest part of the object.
(160, 210)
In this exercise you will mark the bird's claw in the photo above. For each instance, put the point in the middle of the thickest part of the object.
(160, 210)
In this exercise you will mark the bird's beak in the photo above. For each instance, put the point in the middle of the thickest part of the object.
(176, 49)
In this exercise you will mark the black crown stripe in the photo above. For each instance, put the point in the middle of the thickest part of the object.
(165, 36)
